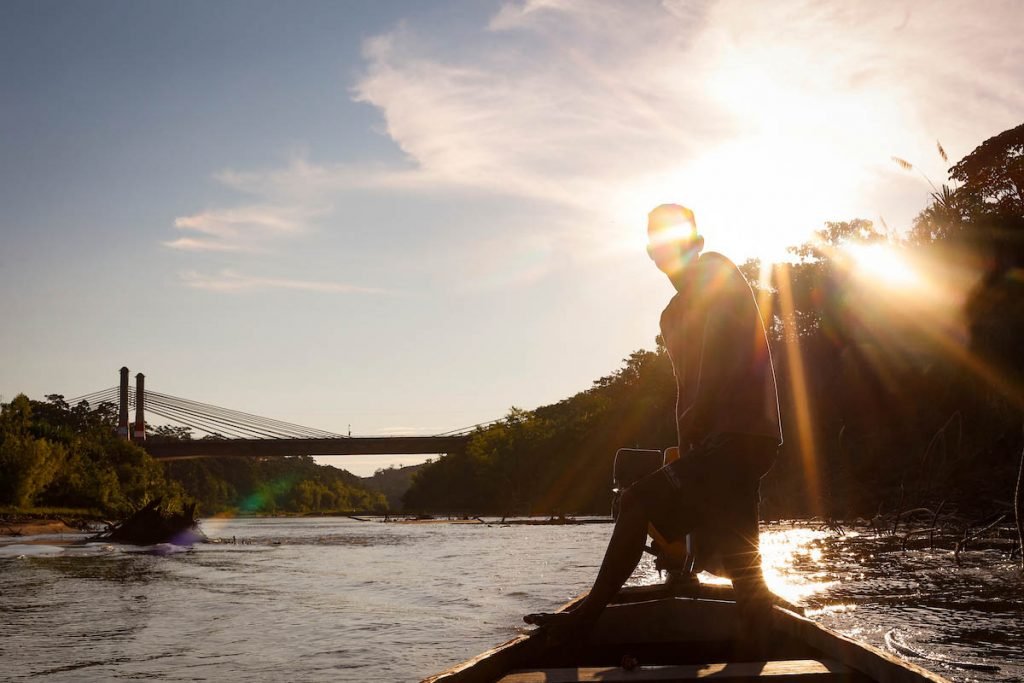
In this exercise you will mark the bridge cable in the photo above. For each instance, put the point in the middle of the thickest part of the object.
(202, 425)
(221, 424)
(242, 418)
(156, 404)
(270, 429)
(93, 396)
(466, 431)
(247, 426)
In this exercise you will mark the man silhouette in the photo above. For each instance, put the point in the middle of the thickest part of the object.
(727, 417)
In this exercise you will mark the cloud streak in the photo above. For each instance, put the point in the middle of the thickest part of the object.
(230, 281)
(200, 244)
(551, 101)
(240, 229)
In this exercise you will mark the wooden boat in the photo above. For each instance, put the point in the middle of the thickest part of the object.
(684, 633)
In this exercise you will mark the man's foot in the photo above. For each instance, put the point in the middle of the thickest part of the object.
(550, 618)
(561, 628)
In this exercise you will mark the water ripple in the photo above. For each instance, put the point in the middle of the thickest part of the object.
(337, 599)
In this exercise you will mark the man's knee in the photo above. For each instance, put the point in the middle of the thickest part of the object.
(633, 502)
(629, 499)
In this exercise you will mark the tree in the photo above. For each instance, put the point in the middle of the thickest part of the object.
(945, 219)
(27, 464)
(170, 433)
(994, 173)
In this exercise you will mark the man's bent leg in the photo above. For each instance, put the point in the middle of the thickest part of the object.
(741, 557)
(625, 548)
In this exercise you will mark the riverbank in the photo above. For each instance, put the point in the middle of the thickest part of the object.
(35, 527)
(34, 522)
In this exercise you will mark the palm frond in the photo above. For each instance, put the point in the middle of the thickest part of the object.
(888, 231)
(904, 164)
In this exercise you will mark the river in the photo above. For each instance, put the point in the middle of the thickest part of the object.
(343, 600)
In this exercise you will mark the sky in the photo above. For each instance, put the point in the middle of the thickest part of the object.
(406, 217)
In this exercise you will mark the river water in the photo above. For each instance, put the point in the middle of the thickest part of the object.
(343, 600)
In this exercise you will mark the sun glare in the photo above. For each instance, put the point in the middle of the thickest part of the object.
(882, 264)
(799, 147)
(781, 552)
(753, 197)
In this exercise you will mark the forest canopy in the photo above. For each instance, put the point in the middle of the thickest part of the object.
(56, 455)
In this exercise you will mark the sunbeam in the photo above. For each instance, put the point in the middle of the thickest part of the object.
(799, 389)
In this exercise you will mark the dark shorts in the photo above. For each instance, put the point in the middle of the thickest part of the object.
(712, 489)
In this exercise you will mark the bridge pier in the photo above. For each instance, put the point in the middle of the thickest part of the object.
(138, 432)
(140, 407)
(122, 408)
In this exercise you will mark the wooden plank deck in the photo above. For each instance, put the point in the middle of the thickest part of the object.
(802, 670)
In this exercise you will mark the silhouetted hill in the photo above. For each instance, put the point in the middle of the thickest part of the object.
(393, 482)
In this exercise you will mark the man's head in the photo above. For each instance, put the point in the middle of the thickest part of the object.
(673, 242)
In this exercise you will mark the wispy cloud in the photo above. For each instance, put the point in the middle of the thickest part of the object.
(201, 244)
(230, 223)
(610, 106)
(234, 282)
(550, 101)
(240, 229)
(767, 122)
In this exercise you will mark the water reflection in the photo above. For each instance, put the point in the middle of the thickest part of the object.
(791, 560)
(964, 620)
(115, 567)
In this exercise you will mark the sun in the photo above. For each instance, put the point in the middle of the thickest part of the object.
(795, 147)
(751, 198)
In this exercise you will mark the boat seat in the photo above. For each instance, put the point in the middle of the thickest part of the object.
(801, 670)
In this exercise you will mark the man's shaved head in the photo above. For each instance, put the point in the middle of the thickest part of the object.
(671, 223)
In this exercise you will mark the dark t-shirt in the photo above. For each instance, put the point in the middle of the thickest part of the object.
(725, 382)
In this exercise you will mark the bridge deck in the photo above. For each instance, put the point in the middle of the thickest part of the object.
(262, 448)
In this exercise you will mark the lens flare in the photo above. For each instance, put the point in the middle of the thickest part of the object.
(800, 391)
(681, 232)
(883, 265)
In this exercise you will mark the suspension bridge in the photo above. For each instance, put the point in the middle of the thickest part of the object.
(233, 433)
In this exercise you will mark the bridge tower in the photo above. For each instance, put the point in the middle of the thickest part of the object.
(140, 408)
(122, 408)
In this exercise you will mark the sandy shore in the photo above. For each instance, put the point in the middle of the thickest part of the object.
(435, 521)
(35, 527)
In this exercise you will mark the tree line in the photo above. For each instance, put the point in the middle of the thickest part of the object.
(56, 455)
(899, 365)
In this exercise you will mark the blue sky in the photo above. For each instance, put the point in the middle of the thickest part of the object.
(408, 217)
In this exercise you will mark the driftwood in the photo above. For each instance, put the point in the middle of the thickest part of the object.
(151, 525)
(968, 537)
(1018, 509)
(945, 528)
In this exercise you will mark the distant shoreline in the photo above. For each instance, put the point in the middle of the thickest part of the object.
(15, 525)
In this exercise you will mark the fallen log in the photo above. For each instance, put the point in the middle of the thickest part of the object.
(152, 525)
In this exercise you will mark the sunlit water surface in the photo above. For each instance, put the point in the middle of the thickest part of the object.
(343, 600)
